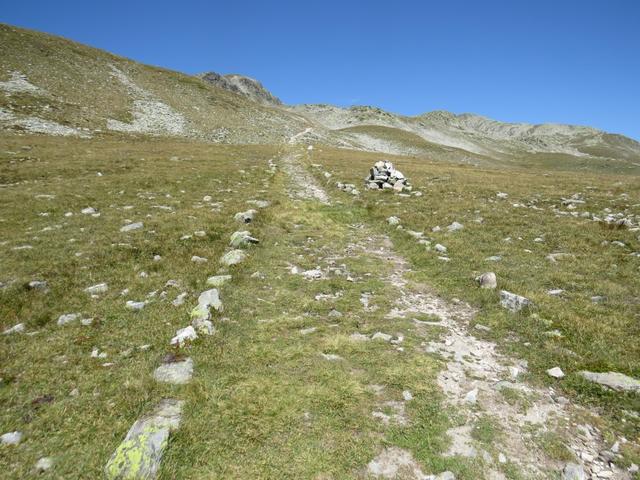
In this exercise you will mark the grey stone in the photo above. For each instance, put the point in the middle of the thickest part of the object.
(242, 239)
(513, 302)
(218, 280)
(176, 373)
(38, 285)
(573, 471)
(245, 217)
(95, 289)
(233, 257)
(455, 226)
(393, 221)
(67, 318)
(613, 380)
(136, 306)
(446, 476)
(385, 337)
(132, 226)
(18, 328)
(555, 372)
(487, 280)
(140, 454)
(183, 336)
(197, 259)
(440, 248)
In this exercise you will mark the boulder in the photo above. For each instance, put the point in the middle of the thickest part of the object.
(242, 239)
(233, 257)
(613, 380)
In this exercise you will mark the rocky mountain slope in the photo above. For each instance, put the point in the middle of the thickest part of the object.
(248, 87)
(50, 85)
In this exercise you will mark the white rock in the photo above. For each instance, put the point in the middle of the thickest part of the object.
(176, 373)
(88, 211)
(95, 289)
(184, 335)
(132, 226)
(179, 300)
(11, 438)
(381, 336)
(455, 226)
(440, 248)
(18, 328)
(43, 464)
(555, 372)
(331, 357)
(407, 396)
(132, 305)
(393, 221)
(67, 318)
(197, 259)
(472, 396)
(487, 280)
(502, 195)
(513, 302)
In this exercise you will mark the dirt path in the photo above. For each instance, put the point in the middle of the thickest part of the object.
(483, 390)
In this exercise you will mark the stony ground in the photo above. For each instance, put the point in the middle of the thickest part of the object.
(329, 351)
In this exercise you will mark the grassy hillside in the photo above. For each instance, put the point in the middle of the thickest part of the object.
(79, 88)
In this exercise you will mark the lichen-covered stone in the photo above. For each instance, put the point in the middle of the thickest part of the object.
(233, 257)
(140, 453)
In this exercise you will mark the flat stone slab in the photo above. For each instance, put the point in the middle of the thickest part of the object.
(140, 453)
(613, 380)
(176, 373)
(513, 302)
(218, 280)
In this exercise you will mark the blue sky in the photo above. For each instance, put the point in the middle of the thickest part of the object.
(537, 61)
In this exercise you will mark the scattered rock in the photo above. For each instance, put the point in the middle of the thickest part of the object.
(67, 318)
(218, 280)
(43, 464)
(242, 239)
(11, 438)
(554, 257)
(18, 328)
(513, 302)
(197, 259)
(184, 335)
(440, 248)
(95, 289)
(573, 471)
(132, 226)
(332, 357)
(179, 300)
(555, 372)
(140, 453)
(176, 373)
(245, 217)
(385, 337)
(233, 257)
(136, 306)
(88, 211)
(487, 280)
(393, 221)
(613, 380)
(455, 226)
(38, 285)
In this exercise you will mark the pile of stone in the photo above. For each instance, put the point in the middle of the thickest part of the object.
(383, 175)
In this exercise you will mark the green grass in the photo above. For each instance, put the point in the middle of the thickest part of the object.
(263, 402)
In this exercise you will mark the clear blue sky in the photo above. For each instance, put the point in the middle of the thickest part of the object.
(564, 61)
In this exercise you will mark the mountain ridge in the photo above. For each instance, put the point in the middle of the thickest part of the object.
(51, 85)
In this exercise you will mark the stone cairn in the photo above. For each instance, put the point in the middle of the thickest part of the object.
(383, 175)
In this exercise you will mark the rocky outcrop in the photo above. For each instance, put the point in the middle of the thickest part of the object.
(245, 86)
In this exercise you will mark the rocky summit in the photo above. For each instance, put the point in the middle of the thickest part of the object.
(200, 282)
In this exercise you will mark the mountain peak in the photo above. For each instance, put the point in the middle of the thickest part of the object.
(242, 85)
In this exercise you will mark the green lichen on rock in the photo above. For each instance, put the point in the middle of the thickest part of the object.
(139, 455)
